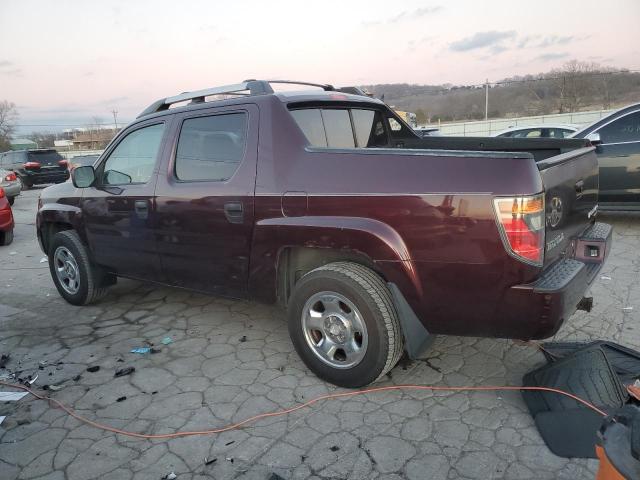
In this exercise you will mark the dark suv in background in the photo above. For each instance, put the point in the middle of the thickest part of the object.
(36, 167)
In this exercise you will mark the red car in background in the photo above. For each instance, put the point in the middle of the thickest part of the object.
(6, 220)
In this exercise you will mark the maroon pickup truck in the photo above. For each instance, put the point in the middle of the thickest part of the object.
(328, 203)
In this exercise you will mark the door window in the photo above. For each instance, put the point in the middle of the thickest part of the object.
(133, 159)
(369, 126)
(624, 129)
(211, 148)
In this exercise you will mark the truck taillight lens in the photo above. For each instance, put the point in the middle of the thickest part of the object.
(1, 193)
(521, 222)
(30, 165)
(11, 177)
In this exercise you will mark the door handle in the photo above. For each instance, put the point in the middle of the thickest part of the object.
(142, 209)
(234, 212)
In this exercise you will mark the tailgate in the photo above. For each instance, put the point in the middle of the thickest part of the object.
(46, 159)
(571, 196)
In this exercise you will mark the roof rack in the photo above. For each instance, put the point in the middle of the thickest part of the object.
(254, 87)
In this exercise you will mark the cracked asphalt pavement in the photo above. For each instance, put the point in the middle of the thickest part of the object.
(229, 360)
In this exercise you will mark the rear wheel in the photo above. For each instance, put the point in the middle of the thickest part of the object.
(24, 185)
(6, 238)
(343, 324)
(78, 280)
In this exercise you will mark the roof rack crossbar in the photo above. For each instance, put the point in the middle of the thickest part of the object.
(254, 87)
(324, 86)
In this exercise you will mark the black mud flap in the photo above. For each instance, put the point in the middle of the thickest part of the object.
(417, 339)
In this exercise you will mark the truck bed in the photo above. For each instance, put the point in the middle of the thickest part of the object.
(540, 148)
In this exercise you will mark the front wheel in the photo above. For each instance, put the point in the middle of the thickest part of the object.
(343, 324)
(79, 281)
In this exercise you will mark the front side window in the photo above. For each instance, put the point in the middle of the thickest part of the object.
(133, 159)
(625, 129)
(211, 148)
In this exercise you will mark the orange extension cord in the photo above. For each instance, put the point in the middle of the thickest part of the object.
(303, 405)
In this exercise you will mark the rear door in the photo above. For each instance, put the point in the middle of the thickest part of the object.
(571, 195)
(205, 200)
(119, 211)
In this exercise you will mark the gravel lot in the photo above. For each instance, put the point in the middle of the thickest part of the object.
(232, 359)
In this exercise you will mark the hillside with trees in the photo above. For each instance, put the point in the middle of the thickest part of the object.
(577, 86)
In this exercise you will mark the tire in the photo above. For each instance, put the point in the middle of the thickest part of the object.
(84, 280)
(24, 185)
(360, 300)
(6, 238)
(11, 200)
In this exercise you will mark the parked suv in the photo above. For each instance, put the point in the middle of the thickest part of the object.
(329, 203)
(36, 166)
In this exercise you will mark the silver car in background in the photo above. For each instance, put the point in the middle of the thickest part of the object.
(10, 184)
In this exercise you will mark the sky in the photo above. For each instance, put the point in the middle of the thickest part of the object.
(68, 62)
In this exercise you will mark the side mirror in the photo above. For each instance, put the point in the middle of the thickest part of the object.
(83, 177)
(594, 138)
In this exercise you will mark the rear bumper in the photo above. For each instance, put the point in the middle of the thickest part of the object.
(6, 220)
(538, 309)
(12, 189)
(41, 177)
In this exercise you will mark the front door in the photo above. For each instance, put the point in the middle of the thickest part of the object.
(205, 199)
(119, 211)
(619, 160)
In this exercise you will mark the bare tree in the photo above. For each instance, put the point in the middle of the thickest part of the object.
(8, 118)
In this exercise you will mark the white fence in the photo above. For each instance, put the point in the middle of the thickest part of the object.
(76, 153)
(489, 127)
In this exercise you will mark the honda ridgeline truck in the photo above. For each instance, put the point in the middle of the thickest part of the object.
(325, 201)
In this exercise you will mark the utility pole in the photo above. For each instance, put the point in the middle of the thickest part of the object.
(486, 101)
(115, 118)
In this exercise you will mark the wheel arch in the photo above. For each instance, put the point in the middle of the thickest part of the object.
(286, 248)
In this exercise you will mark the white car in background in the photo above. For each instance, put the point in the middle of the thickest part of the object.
(546, 130)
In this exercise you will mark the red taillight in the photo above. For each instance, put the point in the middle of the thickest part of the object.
(11, 177)
(521, 223)
(30, 165)
(1, 192)
(63, 163)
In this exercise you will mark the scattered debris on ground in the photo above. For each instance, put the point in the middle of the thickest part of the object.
(167, 340)
(243, 338)
(209, 461)
(124, 371)
(93, 369)
(170, 476)
(141, 350)
(121, 399)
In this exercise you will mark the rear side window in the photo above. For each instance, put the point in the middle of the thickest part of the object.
(332, 127)
(132, 161)
(337, 125)
(211, 148)
(310, 122)
(625, 129)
